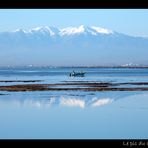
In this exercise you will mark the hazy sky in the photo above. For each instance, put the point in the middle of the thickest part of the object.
(128, 21)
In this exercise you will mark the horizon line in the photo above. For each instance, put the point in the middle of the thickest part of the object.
(101, 66)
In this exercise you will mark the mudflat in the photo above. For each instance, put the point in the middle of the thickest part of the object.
(77, 86)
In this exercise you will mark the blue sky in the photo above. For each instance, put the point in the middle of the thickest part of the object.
(129, 21)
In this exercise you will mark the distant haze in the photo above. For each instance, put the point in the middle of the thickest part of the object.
(71, 46)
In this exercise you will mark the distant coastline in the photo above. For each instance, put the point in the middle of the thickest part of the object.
(142, 66)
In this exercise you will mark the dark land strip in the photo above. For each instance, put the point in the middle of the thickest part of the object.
(95, 86)
(3, 94)
(25, 81)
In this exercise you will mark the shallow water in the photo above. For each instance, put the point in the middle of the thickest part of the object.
(74, 114)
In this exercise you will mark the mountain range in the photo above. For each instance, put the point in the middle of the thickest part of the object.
(71, 46)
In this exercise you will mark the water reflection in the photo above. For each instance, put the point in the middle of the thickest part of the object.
(99, 115)
(43, 99)
(61, 101)
(99, 102)
(72, 102)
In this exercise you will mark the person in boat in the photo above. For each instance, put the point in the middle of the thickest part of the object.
(71, 74)
(77, 74)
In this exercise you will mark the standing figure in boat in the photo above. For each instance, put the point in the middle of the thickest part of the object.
(77, 74)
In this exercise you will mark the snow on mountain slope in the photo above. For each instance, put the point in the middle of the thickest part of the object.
(93, 30)
(85, 30)
(72, 45)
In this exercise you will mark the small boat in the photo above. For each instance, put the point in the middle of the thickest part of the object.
(77, 74)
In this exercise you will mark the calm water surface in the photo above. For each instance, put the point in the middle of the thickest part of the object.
(73, 114)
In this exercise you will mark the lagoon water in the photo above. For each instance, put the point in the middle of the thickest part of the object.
(73, 114)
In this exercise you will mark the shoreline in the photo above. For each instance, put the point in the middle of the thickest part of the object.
(25, 81)
(6, 67)
(76, 86)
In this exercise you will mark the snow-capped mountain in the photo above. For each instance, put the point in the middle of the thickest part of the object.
(81, 45)
(84, 30)
(93, 30)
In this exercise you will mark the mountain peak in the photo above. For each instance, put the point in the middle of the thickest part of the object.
(82, 45)
(101, 30)
(52, 30)
(72, 30)
(19, 30)
(45, 29)
(93, 30)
